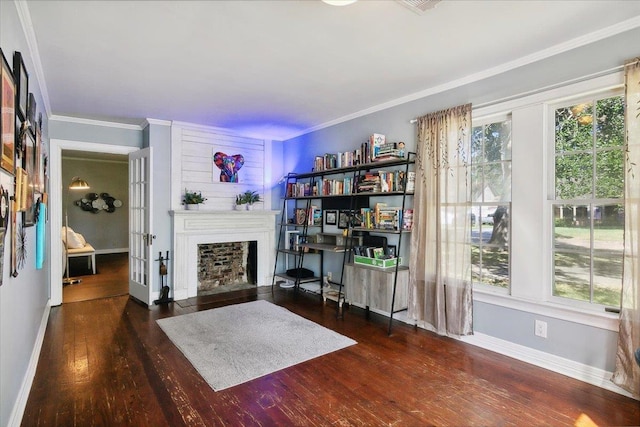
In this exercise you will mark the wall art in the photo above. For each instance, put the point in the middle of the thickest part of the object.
(22, 86)
(228, 165)
(7, 116)
(95, 203)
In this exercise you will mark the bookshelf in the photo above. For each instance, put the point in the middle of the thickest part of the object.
(374, 199)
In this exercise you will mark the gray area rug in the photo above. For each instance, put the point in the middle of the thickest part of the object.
(237, 343)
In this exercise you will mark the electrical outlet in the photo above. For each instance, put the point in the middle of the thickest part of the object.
(541, 328)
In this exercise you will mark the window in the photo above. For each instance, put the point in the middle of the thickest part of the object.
(491, 202)
(588, 210)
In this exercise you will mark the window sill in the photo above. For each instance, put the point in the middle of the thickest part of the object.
(597, 319)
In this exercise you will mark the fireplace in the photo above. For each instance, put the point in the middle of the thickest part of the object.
(226, 266)
(194, 228)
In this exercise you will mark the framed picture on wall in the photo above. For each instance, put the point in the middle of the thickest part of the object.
(22, 85)
(28, 163)
(7, 116)
(31, 114)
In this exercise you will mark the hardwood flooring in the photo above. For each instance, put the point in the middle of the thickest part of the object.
(107, 363)
(112, 278)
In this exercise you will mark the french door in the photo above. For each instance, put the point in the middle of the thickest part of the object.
(140, 226)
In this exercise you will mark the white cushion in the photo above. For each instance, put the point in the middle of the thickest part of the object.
(81, 239)
(73, 241)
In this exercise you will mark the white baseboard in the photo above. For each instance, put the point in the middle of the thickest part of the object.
(15, 419)
(111, 251)
(570, 368)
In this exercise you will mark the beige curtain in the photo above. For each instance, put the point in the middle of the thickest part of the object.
(627, 373)
(440, 294)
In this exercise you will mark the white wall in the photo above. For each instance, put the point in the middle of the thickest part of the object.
(193, 148)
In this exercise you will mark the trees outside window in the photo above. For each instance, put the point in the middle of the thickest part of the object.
(588, 204)
(491, 202)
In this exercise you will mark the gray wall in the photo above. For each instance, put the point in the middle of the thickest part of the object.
(574, 341)
(128, 136)
(104, 231)
(23, 299)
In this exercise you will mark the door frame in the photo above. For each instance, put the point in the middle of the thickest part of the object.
(55, 202)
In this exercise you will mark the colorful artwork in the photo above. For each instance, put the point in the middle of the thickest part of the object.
(7, 115)
(229, 166)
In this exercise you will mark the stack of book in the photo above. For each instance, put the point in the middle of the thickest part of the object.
(369, 183)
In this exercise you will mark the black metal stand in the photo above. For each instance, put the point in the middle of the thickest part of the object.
(164, 290)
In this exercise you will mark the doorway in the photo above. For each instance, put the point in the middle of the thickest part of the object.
(58, 196)
(99, 216)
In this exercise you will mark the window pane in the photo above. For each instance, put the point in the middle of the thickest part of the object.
(497, 144)
(572, 275)
(572, 227)
(608, 231)
(607, 277)
(476, 183)
(610, 125)
(476, 145)
(495, 267)
(574, 128)
(497, 181)
(574, 174)
(610, 174)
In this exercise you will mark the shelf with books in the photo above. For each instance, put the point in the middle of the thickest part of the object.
(342, 187)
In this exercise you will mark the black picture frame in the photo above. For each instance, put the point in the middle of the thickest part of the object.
(343, 220)
(331, 217)
(31, 114)
(22, 86)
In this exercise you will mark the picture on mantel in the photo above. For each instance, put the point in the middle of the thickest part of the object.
(228, 165)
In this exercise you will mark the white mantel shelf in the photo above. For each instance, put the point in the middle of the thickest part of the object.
(192, 228)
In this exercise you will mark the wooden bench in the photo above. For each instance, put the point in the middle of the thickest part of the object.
(87, 251)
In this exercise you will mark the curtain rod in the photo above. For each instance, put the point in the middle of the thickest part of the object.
(549, 87)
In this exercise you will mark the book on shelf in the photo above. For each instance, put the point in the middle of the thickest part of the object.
(300, 216)
(411, 181)
(407, 220)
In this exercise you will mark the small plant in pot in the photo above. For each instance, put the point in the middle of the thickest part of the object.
(192, 199)
(248, 198)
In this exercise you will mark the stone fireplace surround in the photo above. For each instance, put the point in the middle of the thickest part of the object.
(191, 228)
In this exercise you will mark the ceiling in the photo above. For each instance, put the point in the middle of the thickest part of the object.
(277, 69)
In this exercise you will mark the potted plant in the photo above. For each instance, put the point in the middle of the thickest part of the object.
(249, 198)
(192, 199)
(239, 201)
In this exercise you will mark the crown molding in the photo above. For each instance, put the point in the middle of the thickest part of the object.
(219, 130)
(158, 122)
(93, 122)
(24, 16)
(574, 43)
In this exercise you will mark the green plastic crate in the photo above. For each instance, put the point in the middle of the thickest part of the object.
(374, 262)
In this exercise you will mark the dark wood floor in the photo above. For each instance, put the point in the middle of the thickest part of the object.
(111, 278)
(107, 363)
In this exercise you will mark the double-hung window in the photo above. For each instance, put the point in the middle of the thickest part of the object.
(491, 202)
(588, 201)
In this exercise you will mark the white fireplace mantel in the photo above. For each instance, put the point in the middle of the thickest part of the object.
(192, 228)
